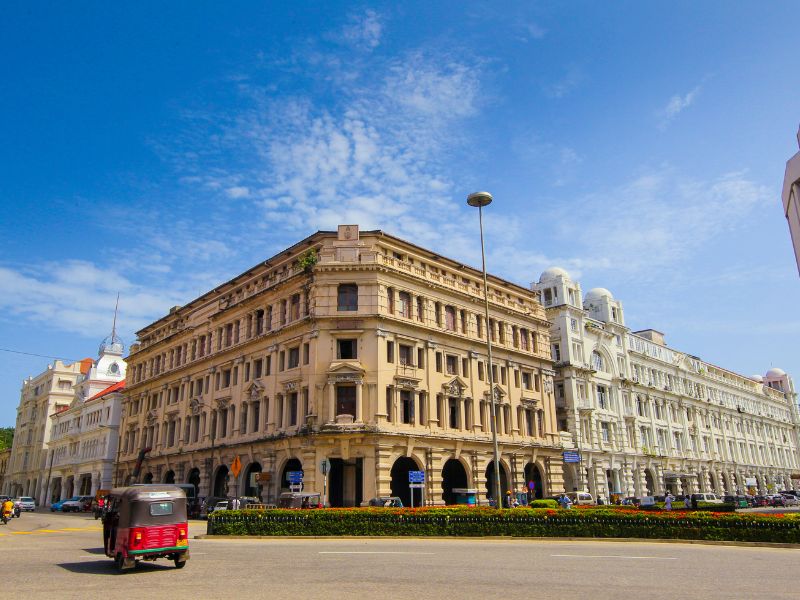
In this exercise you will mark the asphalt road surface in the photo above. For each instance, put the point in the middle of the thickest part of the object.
(55, 556)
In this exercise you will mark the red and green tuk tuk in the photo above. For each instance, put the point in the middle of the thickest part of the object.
(146, 523)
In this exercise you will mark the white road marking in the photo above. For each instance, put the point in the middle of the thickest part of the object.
(614, 556)
(371, 552)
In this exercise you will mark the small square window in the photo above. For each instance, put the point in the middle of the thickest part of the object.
(346, 349)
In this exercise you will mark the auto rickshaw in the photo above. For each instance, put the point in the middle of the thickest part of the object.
(146, 523)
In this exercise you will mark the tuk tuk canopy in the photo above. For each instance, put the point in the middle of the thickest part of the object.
(148, 505)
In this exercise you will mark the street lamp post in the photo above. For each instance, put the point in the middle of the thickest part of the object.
(479, 200)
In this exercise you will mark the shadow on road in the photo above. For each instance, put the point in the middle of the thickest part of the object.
(95, 551)
(106, 567)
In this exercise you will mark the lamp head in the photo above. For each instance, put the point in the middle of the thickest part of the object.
(479, 199)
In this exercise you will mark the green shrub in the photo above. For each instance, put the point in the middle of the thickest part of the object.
(601, 522)
(546, 503)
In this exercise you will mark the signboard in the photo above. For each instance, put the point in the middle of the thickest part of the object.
(416, 477)
(532, 486)
(750, 481)
(236, 466)
(294, 477)
(572, 457)
(325, 466)
(263, 477)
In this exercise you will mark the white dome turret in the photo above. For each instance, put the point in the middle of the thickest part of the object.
(598, 293)
(775, 373)
(552, 273)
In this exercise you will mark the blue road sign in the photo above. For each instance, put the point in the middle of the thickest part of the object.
(416, 477)
(572, 457)
(294, 476)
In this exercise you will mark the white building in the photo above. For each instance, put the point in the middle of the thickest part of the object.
(39, 398)
(84, 435)
(791, 200)
(645, 417)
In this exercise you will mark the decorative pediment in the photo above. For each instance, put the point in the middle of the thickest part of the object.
(455, 387)
(195, 405)
(499, 394)
(254, 390)
(151, 417)
(349, 371)
(223, 402)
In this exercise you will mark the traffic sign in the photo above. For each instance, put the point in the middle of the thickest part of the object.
(416, 477)
(236, 466)
(325, 466)
(572, 457)
(294, 477)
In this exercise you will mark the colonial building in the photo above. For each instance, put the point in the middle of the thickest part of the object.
(356, 347)
(645, 418)
(791, 200)
(84, 434)
(40, 397)
(5, 455)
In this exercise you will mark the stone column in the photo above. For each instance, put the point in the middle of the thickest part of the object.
(331, 402)
(359, 416)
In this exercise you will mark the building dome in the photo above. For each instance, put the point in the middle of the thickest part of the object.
(775, 373)
(552, 273)
(598, 293)
(757, 378)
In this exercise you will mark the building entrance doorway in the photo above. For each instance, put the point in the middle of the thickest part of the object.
(55, 490)
(649, 483)
(534, 475)
(345, 482)
(400, 488)
(454, 476)
(221, 482)
(248, 488)
(70, 487)
(194, 479)
(293, 464)
(85, 484)
(490, 481)
(148, 478)
(169, 476)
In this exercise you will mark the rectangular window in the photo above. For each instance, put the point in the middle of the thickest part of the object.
(420, 308)
(526, 380)
(268, 365)
(450, 318)
(305, 353)
(516, 378)
(247, 372)
(406, 407)
(293, 408)
(389, 396)
(406, 354)
(451, 364)
(464, 367)
(347, 297)
(405, 304)
(479, 325)
(604, 428)
(346, 400)
(503, 375)
(346, 349)
(281, 360)
(452, 412)
(438, 362)
(480, 371)
(421, 358)
(390, 352)
(294, 357)
(295, 307)
(557, 352)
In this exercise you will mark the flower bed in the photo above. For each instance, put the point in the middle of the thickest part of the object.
(602, 522)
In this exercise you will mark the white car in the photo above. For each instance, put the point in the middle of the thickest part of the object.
(78, 505)
(790, 500)
(25, 503)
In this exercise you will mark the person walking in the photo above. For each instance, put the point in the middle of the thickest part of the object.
(668, 502)
(687, 501)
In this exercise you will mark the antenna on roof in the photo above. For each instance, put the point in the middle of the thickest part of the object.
(114, 325)
(112, 343)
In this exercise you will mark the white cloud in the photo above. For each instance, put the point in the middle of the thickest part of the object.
(534, 30)
(79, 297)
(675, 106)
(237, 192)
(364, 31)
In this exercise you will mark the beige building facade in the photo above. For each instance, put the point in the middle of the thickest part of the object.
(355, 347)
(40, 397)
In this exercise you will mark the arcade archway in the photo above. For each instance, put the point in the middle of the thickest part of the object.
(221, 482)
(249, 487)
(490, 486)
(194, 479)
(169, 477)
(454, 476)
(399, 485)
(293, 464)
(534, 482)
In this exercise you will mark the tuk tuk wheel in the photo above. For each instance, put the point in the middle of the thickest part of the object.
(180, 562)
(119, 562)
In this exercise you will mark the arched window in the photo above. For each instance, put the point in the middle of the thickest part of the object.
(597, 362)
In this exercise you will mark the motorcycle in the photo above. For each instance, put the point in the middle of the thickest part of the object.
(7, 516)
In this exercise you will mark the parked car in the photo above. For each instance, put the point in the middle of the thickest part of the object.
(760, 501)
(25, 503)
(60, 504)
(386, 501)
(77, 504)
(300, 500)
(737, 501)
(790, 500)
(776, 500)
(580, 498)
(708, 498)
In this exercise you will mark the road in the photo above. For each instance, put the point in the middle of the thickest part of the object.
(48, 555)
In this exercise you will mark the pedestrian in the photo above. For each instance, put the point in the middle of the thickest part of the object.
(687, 501)
(235, 504)
(668, 502)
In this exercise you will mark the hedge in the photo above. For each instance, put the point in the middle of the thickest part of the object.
(517, 522)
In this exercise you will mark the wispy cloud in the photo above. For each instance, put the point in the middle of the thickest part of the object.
(676, 105)
(564, 86)
(363, 31)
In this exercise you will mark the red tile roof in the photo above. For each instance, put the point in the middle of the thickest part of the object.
(120, 385)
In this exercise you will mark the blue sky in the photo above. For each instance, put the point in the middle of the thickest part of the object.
(157, 149)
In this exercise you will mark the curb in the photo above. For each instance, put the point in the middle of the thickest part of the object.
(503, 538)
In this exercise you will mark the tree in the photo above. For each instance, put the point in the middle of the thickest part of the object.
(6, 437)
